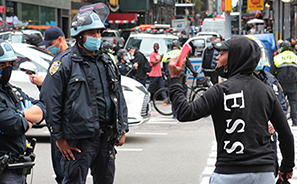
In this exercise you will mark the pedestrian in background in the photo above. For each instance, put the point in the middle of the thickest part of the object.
(53, 37)
(107, 49)
(284, 68)
(18, 112)
(143, 67)
(88, 112)
(240, 108)
(209, 64)
(156, 79)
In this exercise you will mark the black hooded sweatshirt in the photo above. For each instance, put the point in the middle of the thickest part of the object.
(240, 108)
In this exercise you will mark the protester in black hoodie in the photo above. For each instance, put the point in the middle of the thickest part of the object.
(240, 108)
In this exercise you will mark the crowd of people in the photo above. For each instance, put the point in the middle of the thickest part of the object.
(82, 101)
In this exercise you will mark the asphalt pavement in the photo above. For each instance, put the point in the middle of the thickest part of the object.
(162, 150)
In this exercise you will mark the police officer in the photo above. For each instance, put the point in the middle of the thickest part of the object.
(88, 111)
(107, 49)
(174, 53)
(126, 68)
(17, 113)
(55, 41)
(273, 83)
(284, 67)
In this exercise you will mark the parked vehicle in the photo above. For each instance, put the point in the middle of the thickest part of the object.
(144, 42)
(216, 25)
(136, 96)
(126, 33)
(209, 34)
(17, 35)
(114, 38)
(200, 43)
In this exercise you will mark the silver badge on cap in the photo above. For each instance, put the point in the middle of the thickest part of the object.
(219, 44)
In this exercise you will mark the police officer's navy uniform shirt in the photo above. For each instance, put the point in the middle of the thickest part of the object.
(13, 125)
(101, 85)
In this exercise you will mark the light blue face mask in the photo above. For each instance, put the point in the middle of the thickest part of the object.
(208, 44)
(92, 43)
(53, 49)
(184, 36)
(126, 58)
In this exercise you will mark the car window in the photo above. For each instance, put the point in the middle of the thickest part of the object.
(118, 34)
(212, 35)
(22, 59)
(145, 45)
(108, 34)
(4, 36)
(17, 38)
(42, 54)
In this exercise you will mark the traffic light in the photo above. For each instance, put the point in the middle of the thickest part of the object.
(207, 13)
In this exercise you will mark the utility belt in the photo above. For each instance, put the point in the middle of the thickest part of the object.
(108, 133)
(21, 165)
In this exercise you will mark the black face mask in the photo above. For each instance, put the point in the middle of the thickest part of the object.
(156, 50)
(222, 72)
(5, 75)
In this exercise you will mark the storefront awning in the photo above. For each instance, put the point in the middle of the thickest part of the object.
(122, 18)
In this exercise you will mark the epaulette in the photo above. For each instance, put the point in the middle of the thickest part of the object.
(14, 86)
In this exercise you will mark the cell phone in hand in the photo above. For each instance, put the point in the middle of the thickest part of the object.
(185, 50)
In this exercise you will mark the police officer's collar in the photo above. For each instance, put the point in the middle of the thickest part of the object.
(85, 55)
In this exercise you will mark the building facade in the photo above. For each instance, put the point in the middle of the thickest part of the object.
(40, 14)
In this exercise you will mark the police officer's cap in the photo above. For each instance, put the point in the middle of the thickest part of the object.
(106, 46)
(6, 52)
(176, 43)
(122, 52)
(285, 45)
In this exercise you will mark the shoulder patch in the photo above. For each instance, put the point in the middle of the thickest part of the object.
(54, 67)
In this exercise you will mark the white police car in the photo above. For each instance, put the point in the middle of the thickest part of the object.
(137, 97)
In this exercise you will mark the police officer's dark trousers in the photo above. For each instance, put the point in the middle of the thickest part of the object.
(11, 177)
(290, 90)
(95, 155)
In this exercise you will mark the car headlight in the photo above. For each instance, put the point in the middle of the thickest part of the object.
(143, 89)
(126, 88)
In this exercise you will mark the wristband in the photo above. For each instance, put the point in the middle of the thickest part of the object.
(21, 112)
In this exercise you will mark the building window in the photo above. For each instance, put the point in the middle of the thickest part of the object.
(30, 14)
(47, 16)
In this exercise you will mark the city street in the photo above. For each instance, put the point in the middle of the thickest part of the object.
(160, 151)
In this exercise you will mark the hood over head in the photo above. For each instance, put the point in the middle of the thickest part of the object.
(243, 57)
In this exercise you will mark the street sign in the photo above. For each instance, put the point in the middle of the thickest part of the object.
(2, 9)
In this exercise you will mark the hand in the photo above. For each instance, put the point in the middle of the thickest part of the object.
(36, 79)
(122, 141)
(135, 65)
(175, 71)
(26, 105)
(195, 74)
(288, 176)
(271, 129)
(66, 149)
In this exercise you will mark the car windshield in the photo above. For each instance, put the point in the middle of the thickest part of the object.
(17, 38)
(107, 34)
(212, 35)
(145, 45)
